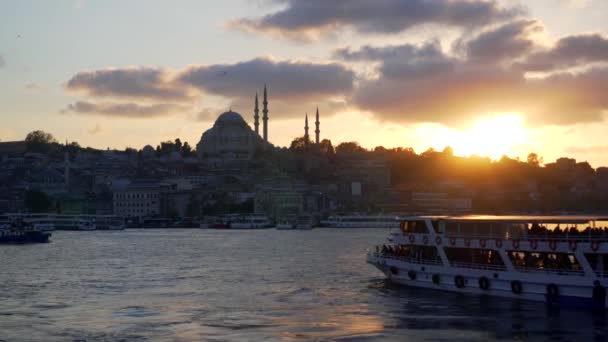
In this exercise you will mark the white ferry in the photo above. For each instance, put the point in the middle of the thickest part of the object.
(73, 222)
(106, 222)
(361, 221)
(560, 260)
(301, 222)
(250, 222)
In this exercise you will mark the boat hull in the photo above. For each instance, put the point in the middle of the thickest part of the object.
(573, 292)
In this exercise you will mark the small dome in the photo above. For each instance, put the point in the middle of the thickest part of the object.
(148, 151)
(230, 117)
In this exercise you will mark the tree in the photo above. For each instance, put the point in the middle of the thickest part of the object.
(39, 141)
(37, 201)
(533, 159)
(349, 147)
(325, 147)
(300, 144)
(187, 150)
(178, 145)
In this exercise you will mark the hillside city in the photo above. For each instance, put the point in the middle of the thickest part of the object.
(235, 170)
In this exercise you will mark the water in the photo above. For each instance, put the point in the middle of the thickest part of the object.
(192, 285)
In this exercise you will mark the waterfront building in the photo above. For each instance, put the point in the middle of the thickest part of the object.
(137, 200)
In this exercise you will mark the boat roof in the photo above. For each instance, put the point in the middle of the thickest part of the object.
(511, 218)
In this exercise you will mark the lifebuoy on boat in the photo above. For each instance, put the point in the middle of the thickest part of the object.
(552, 291)
(516, 286)
(499, 243)
(552, 244)
(595, 245)
(572, 245)
(516, 244)
(425, 239)
(484, 283)
(412, 274)
(467, 242)
(533, 244)
(482, 243)
(452, 240)
(459, 281)
(438, 240)
(412, 238)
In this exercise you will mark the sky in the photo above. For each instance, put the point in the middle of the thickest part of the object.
(486, 77)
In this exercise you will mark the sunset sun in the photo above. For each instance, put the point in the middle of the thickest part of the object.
(492, 136)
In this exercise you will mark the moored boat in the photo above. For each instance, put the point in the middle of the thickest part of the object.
(20, 232)
(361, 221)
(561, 260)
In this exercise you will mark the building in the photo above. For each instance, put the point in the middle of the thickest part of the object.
(137, 200)
(229, 138)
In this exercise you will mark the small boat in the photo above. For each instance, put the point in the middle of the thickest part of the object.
(21, 232)
(250, 222)
(285, 225)
(361, 221)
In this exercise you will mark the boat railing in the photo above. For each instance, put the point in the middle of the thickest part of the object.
(557, 271)
(565, 237)
(478, 266)
(407, 259)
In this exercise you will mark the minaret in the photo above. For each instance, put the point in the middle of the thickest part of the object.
(306, 138)
(256, 116)
(265, 117)
(317, 130)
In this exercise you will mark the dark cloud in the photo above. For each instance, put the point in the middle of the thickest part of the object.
(288, 80)
(305, 20)
(451, 90)
(510, 41)
(568, 52)
(124, 110)
(140, 82)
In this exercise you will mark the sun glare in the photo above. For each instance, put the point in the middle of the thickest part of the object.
(489, 137)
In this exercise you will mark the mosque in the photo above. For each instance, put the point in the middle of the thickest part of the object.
(232, 138)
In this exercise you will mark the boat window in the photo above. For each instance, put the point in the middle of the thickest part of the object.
(549, 261)
(414, 227)
(410, 253)
(473, 256)
(599, 263)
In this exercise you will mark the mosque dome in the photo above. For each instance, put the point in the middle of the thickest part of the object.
(148, 151)
(230, 118)
(229, 138)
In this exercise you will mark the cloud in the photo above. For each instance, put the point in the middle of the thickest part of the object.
(425, 84)
(568, 52)
(2, 62)
(140, 82)
(124, 110)
(507, 42)
(287, 79)
(310, 19)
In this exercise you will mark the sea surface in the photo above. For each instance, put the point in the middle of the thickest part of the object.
(262, 285)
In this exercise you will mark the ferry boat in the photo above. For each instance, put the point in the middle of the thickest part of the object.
(250, 222)
(21, 232)
(361, 221)
(560, 260)
(73, 222)
(107, 222)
